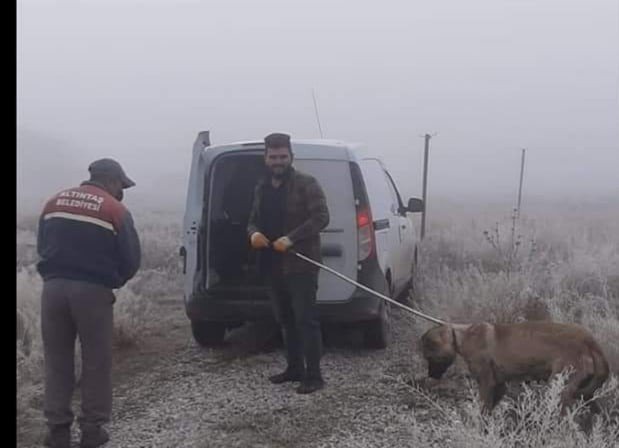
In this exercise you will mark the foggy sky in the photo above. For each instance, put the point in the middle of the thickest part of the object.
(136, 80)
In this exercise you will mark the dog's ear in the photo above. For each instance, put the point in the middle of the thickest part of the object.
(432, 339)
(447, 334)
(438, 341)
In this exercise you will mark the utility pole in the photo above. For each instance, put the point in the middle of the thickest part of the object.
(520, 187)
(317, 115)
(427, 138)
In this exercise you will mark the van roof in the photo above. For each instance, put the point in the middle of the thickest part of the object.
(303, 148)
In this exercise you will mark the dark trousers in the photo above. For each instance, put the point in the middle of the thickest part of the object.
(294, 303)
(68, 309)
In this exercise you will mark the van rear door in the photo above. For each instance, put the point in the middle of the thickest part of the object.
(339, 239)
(193, 215)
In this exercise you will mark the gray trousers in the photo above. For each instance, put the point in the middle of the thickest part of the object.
(72, 308)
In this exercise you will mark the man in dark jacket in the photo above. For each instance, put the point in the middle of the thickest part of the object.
(88, 246)
(290, 210)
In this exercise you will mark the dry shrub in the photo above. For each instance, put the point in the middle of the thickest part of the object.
(160, 237)
(29, 351)
(561, 271)
(133, 315)
(25, 249)
(531, 419)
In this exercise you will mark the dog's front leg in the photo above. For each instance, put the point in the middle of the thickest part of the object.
(490, 390)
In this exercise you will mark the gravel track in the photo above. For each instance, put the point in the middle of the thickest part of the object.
(172, 393)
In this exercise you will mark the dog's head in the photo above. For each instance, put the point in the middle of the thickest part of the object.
(438, 349)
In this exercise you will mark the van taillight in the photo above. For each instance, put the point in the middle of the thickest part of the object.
(365, 234)
(363, 218)
(365, 228)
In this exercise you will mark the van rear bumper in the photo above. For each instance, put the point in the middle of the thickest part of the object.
(240, 304)
(362, 306)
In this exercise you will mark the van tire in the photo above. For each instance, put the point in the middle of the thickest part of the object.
(377, 334)
(208, 333)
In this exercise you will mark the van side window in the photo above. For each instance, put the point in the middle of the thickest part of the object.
(395, 194)
(379, 192)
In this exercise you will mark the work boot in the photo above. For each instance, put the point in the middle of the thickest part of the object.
(287, 375)
(93, 436)
(310, 384)
(58, 437)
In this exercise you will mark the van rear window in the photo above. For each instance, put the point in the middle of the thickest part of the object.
(334, 178)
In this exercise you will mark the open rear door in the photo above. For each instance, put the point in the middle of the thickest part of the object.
(193, 215)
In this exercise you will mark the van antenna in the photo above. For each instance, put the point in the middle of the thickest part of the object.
(317, 115)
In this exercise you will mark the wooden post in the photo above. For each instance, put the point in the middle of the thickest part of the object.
(520, 187)
(427, 138)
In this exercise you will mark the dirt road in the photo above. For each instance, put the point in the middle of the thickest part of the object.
(174, 394)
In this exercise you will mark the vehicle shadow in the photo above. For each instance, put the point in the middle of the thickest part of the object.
(254, 338)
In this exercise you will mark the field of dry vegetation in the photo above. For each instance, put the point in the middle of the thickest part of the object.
(555, 262)
(135, 311)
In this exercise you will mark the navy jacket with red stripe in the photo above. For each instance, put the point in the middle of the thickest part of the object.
(87, 234)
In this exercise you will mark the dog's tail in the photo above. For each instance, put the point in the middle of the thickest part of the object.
(600, 371)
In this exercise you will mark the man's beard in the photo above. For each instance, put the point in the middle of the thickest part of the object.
(280, 174)
(119, 196)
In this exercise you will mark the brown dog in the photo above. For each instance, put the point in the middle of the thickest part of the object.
(499, 353)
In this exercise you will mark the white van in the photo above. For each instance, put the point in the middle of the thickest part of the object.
(369, 239)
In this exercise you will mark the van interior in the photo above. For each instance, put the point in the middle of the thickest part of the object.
(232, 265)
(230, 195)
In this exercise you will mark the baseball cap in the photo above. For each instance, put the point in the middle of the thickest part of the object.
(112, 168)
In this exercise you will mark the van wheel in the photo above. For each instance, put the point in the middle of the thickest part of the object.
(377, 334)
(208, 333)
